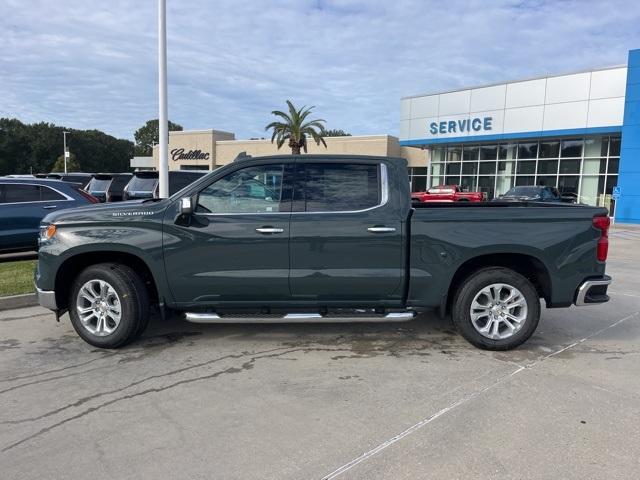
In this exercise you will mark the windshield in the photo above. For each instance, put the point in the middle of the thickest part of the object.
(530, 192)
(142, 184)
(99, 184)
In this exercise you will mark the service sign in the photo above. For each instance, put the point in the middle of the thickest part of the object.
(461, 126)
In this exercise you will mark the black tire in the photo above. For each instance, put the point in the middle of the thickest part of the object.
(133, 301)
(472, 286)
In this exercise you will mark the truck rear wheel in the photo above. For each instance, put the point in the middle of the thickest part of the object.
(109, 305)
(496, 309)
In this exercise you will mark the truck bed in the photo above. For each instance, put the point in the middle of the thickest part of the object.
(558, 238)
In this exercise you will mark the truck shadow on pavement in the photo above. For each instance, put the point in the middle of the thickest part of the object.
(426, 335)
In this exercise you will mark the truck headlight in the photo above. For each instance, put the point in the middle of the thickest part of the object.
(47, 232)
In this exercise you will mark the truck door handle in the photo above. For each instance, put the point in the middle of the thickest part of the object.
(269, 230)
(381, 229)
(49, 207)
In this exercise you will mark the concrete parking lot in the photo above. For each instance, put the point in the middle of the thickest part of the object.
(400, 401)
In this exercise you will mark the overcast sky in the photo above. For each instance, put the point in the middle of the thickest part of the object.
(92, 63)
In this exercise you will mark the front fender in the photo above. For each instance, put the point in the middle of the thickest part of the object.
(102, 241)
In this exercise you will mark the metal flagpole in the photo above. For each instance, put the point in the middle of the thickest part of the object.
(65, 154)
(163, 145)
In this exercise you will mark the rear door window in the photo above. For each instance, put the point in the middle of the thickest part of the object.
(49, 195)
(16, 193)
(335, 187)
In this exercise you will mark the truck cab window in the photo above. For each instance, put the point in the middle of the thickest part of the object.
(335, 187)
(250, 190)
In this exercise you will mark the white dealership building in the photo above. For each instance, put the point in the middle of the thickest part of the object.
(578, 132)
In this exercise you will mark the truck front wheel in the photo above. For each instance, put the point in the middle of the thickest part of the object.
(109, 305)
(496, 309)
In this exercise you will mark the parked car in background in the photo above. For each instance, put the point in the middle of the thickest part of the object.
(109, 187)
(446, 193)
(531, 193)
(74, 177)
(145, 184)
(24, 202)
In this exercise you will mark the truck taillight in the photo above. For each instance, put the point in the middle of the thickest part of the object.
(602, 224)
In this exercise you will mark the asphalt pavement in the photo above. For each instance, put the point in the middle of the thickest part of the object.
(348, 401)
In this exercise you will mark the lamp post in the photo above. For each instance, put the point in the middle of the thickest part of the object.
(163, 125)
(65, 153)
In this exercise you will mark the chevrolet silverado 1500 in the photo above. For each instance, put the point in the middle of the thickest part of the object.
(318, 239)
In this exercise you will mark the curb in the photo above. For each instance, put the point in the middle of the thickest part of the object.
(18, 301)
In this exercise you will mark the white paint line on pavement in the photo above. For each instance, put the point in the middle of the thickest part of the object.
(374, 451)
(626, 294)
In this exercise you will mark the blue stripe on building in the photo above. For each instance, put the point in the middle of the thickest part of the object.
(514, 136)
(628, 205)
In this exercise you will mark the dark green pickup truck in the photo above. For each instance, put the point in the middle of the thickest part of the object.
(318, 239)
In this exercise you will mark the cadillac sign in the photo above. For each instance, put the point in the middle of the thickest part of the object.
(180, 154)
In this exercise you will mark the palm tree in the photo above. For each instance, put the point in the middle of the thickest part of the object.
(295, 128)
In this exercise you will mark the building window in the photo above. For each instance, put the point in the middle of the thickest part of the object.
(194, 167)
(546, 167)
(571, 148)
(596, 147)
(488, 152)
(584, 169)
(507, 152)
(526, 167)
(418, 178)
(549, 149)
(527, 150)
(470, 153)
(614, 147)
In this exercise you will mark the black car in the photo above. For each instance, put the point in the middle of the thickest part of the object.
(145, 184)
(26, 201)
(109, 187)
(531, 193)
(73, 177)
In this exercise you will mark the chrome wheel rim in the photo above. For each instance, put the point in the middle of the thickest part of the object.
(98, 307)
(498, 311)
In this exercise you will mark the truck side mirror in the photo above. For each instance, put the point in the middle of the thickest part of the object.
(186, 206)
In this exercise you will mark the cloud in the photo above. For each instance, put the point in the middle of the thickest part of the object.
(92, 64)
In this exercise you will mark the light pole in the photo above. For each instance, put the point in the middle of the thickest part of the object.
(65, 153)
(163, 125)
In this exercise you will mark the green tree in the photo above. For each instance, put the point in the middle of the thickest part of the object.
(295, 128)
(26, 148)
(335, 132)
(149, 135)
(72, 164)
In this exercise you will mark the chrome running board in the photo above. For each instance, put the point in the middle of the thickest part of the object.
(299, 318)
